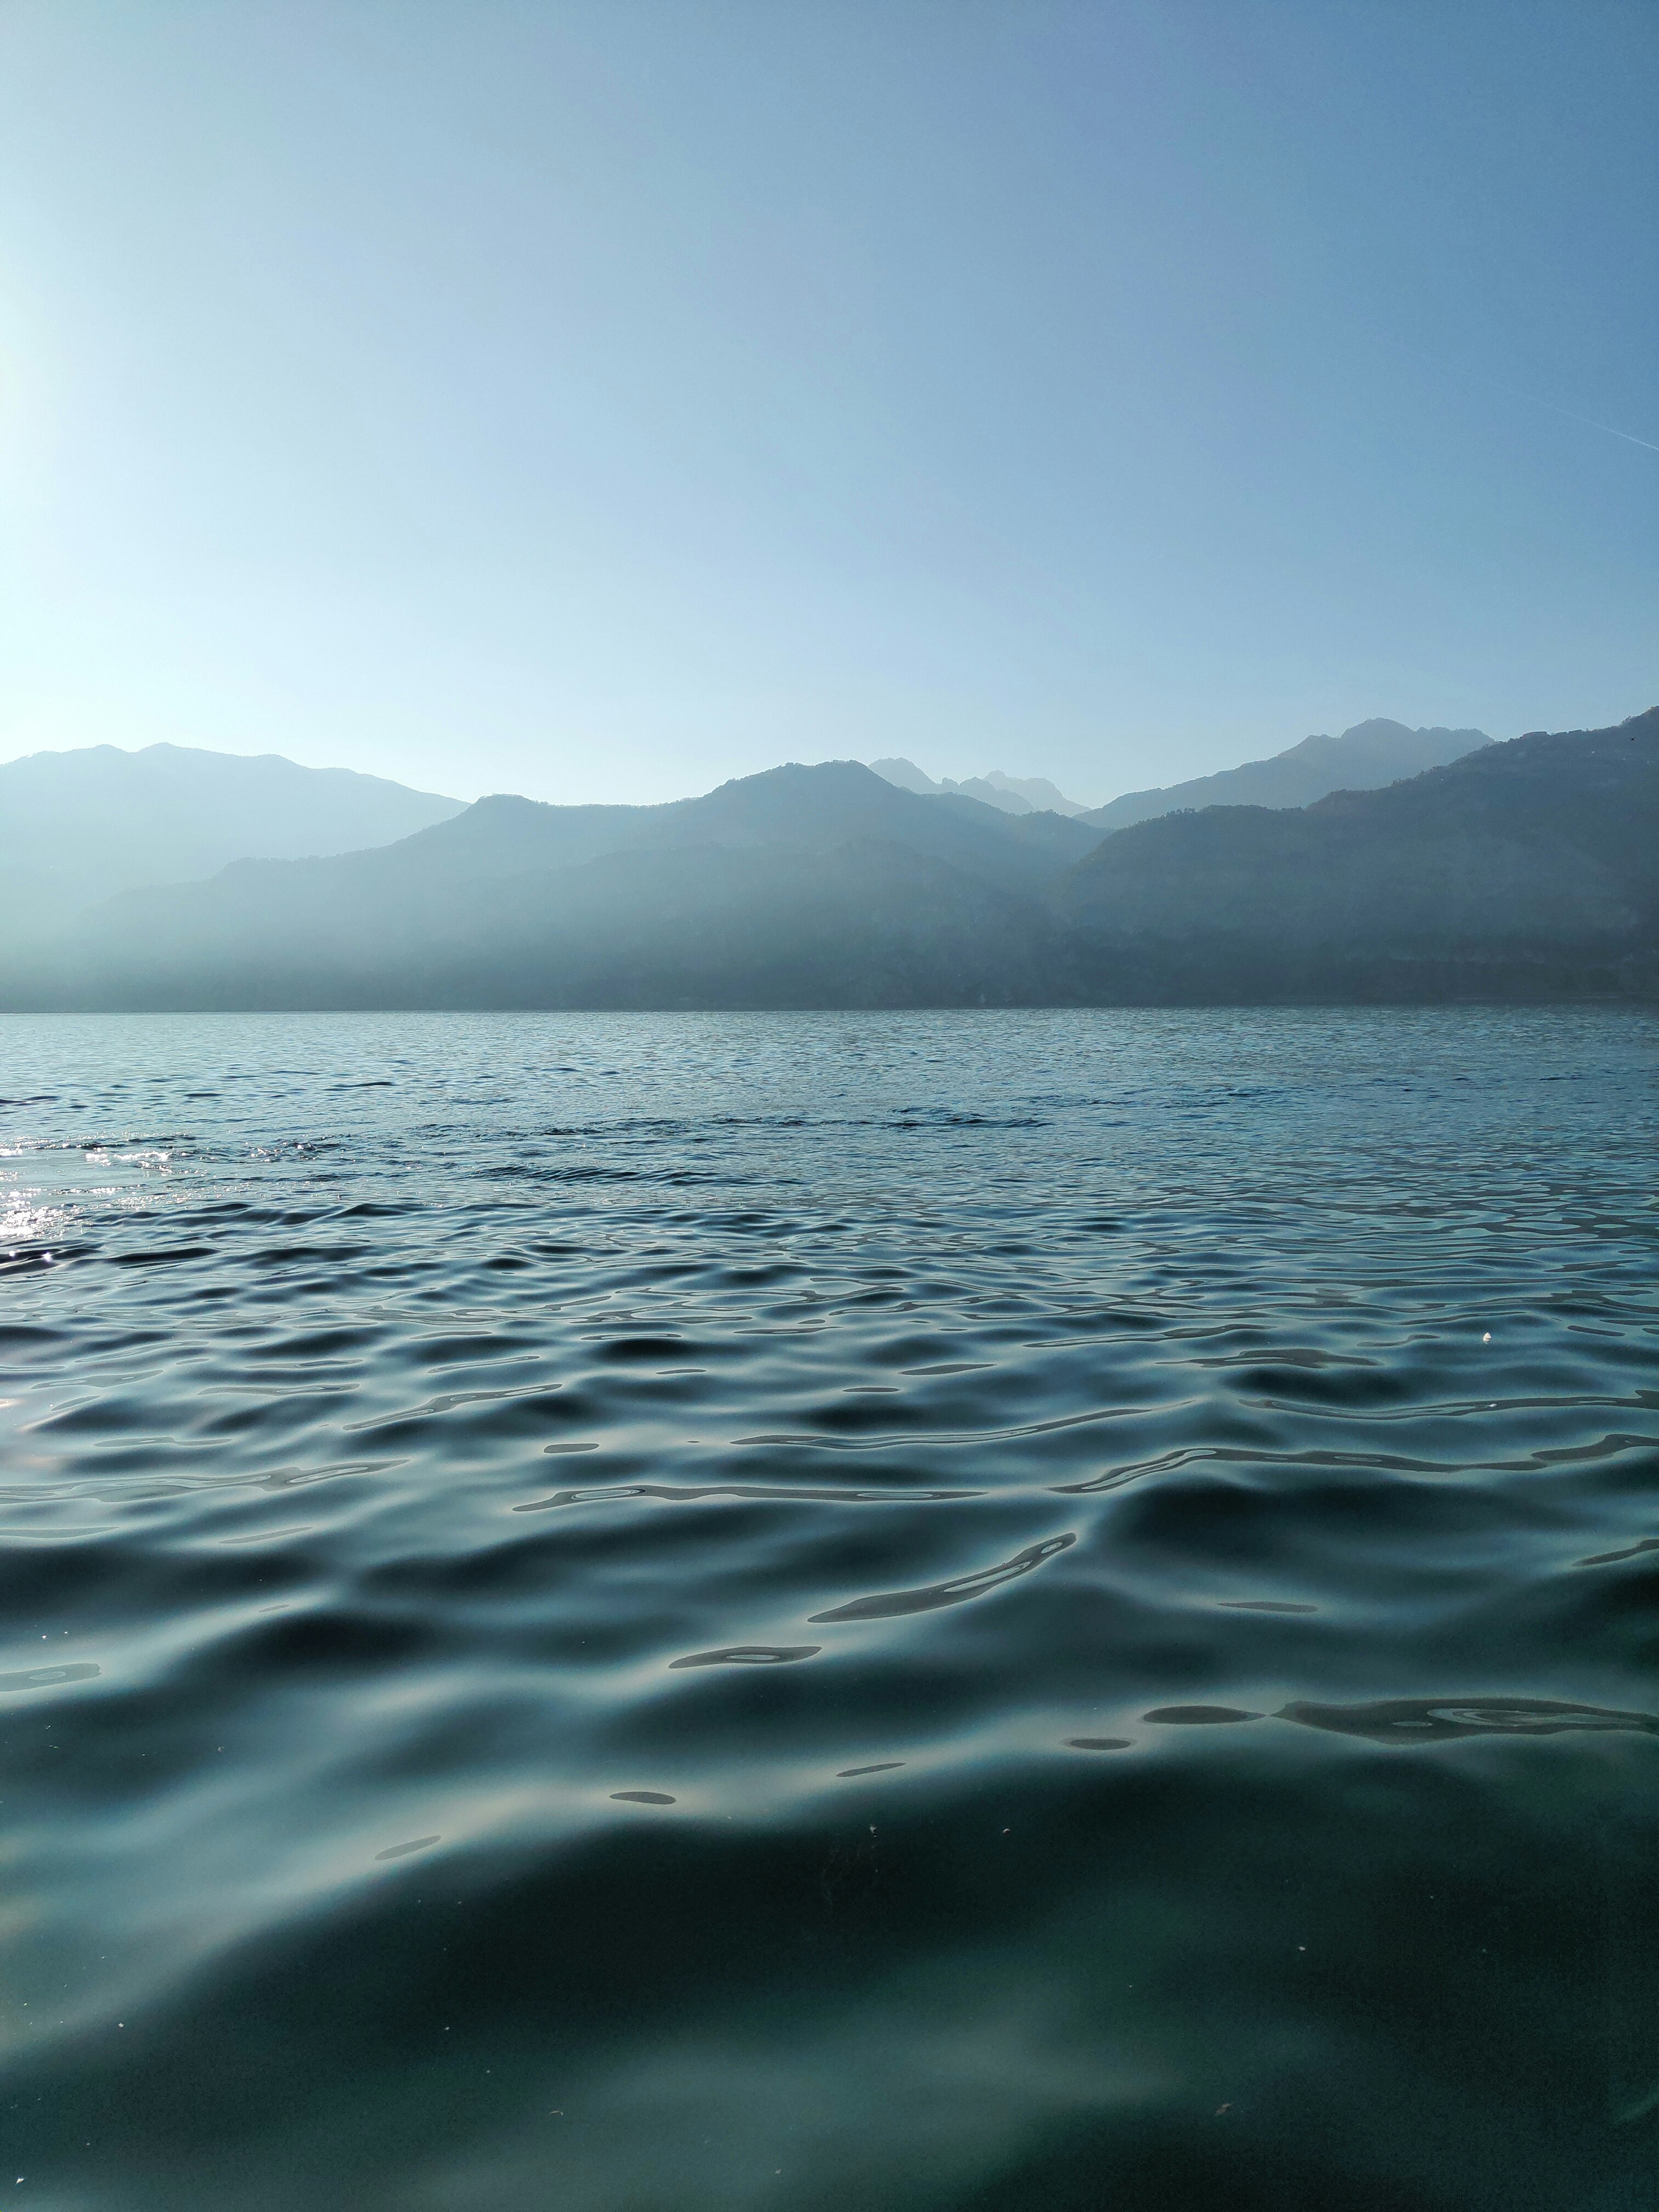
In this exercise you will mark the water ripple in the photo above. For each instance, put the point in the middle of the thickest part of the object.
(1279, 1828)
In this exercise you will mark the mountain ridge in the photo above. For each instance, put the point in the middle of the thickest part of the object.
(80, 824)
(496, 885)
(1522, 871)
(1367, 757)
(1010, 794)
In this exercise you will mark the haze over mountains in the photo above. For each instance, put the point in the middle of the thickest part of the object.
(1520, 871)
(1364, 758)
(1010, 794)
(1526, 869)
(797, 885)
(76, 826)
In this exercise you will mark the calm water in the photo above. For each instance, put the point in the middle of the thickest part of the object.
(1003, 1611)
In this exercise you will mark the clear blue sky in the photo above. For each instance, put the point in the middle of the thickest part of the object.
(600, 401)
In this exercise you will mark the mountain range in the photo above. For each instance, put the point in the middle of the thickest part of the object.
(1519, 871)
(800, 884)
(76, 826)
(1364, 758)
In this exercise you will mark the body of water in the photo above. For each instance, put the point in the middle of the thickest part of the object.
(919, 1613)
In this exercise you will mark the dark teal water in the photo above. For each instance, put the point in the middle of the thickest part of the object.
(1021, 1610)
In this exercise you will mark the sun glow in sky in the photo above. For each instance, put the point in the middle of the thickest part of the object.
(599, 401)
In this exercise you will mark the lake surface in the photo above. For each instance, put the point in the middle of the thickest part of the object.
(926, 1611)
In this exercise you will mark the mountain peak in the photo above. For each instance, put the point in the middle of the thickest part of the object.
(1010, 794)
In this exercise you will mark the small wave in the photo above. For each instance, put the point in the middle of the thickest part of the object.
(890, 1605)
(1426, 1720)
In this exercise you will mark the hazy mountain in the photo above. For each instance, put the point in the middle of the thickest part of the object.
(1013, 794)
(908, 776)
(800, 886)
(76, 826)
(1036, 790)
(1523, 870)
(1364, 758)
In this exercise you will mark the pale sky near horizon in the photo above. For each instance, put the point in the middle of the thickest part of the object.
(599, 401)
